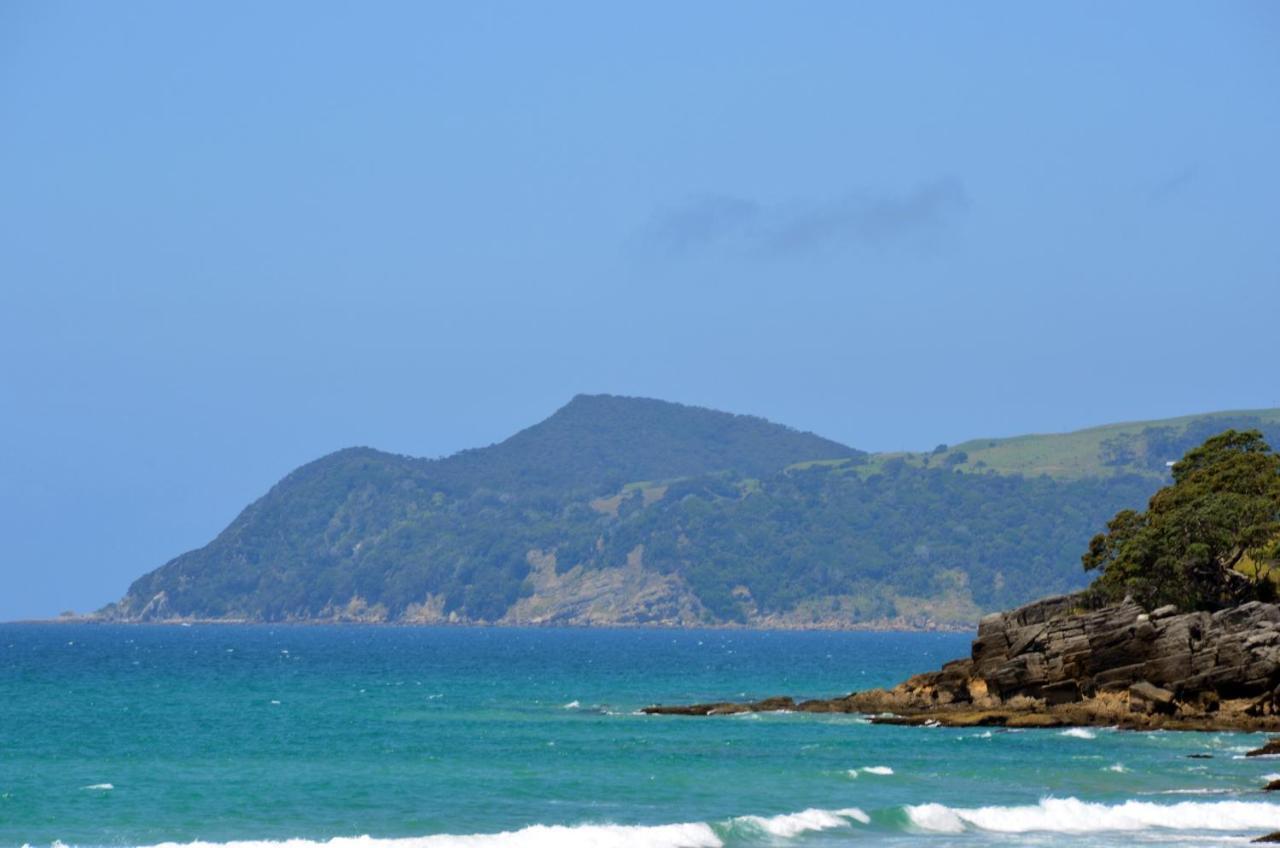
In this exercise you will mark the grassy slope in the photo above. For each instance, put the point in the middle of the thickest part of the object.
(1064, 456)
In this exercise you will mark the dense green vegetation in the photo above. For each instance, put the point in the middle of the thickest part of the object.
(902, 532)
(599, 443)
(1187, 547)
(754, 518)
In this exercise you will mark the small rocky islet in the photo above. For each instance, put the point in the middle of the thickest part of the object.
(1056, 663)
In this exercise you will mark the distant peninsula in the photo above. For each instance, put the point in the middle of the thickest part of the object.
(620, 511)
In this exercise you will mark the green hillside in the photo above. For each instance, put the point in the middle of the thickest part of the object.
(625, 510)
(600, 443)
(1137, 447)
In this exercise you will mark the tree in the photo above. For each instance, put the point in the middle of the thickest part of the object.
(1221, 512)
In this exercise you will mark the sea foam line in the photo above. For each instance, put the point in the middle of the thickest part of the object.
(1053, 815)
(1070, 815)
(1079, 733)
(689, 835)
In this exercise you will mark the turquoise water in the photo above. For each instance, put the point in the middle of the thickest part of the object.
(134, 736)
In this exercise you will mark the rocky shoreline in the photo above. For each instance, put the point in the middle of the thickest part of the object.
(1057, 663)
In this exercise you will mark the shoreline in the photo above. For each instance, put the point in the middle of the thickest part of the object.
(872, 627)
(1058, 663)
(882, 707)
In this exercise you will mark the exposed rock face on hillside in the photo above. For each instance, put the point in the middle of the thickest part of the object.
(628, 595)
(1051, 663)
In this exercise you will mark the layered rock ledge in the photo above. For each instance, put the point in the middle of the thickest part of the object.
(1055, 662)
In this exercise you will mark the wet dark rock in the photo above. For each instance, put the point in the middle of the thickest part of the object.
(1270, 749)
(723, 708)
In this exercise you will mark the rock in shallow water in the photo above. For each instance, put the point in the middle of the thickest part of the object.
(1056, 662)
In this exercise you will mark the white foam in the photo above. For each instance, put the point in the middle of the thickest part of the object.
(1271, 776)
(1117, 767)
(1069, 815)
(1199, 791)
(855, 814)
(99, 787)
(880, 770)
(690, 835)
(1079, 733)
(935, 817)
(794, 824)
(572, 705)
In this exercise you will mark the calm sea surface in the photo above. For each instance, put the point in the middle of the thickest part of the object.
(428, 738)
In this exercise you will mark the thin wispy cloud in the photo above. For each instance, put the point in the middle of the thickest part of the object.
(856, 217)
(1173, 185)
(702, 221)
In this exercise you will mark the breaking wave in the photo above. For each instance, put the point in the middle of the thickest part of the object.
(1050, 815)
(1079, 733)
(794, 824)
(687, 835)
(877, 770)
(1069, 815)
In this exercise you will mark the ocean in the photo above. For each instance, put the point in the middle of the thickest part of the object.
(383, 737)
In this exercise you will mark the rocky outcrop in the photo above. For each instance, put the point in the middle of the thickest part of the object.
(1056, 651)
(1056, 662)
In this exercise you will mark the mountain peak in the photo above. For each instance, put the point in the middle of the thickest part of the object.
(602, 441)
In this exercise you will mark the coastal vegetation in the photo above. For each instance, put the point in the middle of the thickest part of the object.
(1209, 540)
(627, 510)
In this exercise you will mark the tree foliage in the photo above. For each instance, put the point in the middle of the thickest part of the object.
(1187, 548)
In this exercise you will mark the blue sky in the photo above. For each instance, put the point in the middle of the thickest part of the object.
(235, 236)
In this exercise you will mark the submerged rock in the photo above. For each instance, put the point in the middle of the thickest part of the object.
(768, 705)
